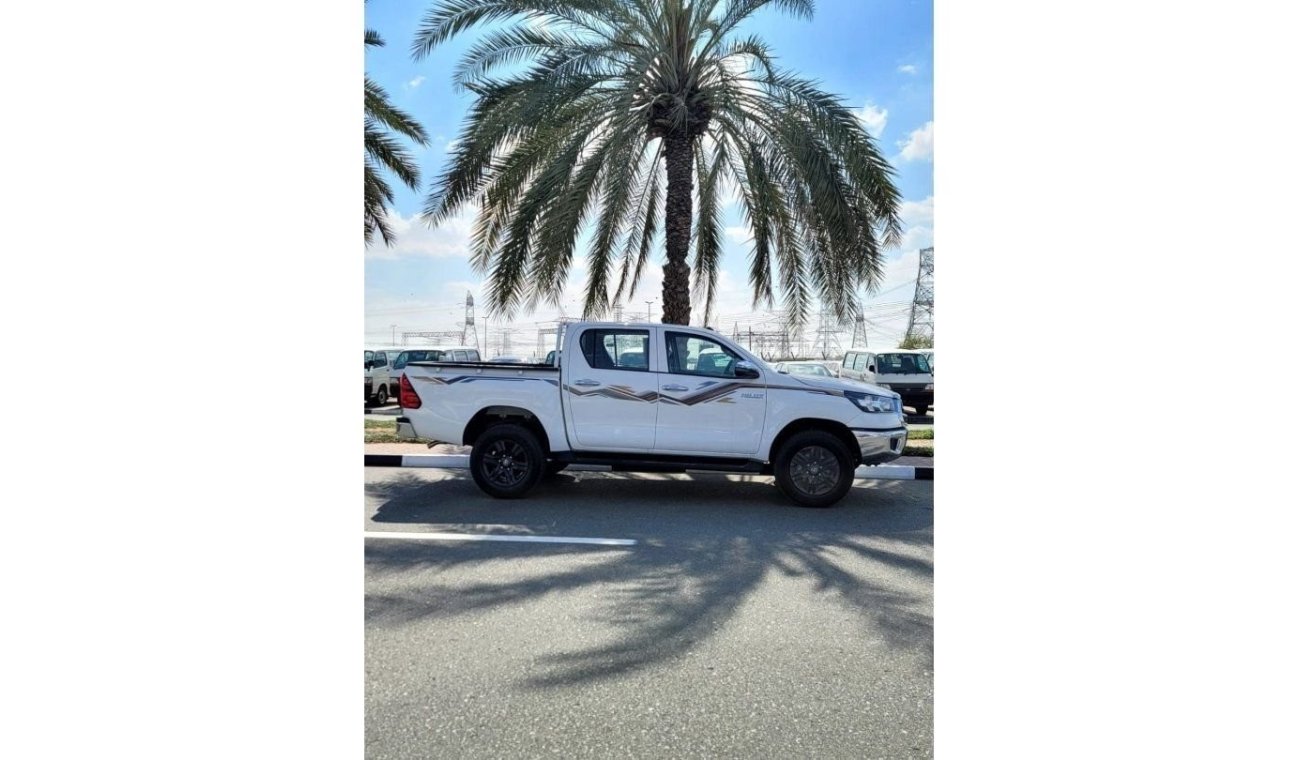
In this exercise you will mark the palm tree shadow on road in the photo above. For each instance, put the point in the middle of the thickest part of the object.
(704, 546)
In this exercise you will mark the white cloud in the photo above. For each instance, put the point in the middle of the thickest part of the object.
(917, 212)
(737, 234)
(916, 238)
(411, 85)
(919, 144)
(907, 68)
(414, 237)
(873, 118)
(451, 145)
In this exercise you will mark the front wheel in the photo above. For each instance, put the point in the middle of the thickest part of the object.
(921, 409)
(814, 469)
(381, 396)
(507, 461)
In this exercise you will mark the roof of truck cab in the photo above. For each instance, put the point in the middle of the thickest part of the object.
(639, 325)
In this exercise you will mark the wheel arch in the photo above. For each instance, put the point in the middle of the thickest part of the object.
(835, 428)
(496, 413)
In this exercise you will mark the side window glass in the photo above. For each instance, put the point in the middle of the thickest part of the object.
(848, 361)
(616, 349)
(860, 363)
(693, 355)
(381, 359)
(473, 356)
(401, 360)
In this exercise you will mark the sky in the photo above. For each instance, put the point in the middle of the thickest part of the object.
(875, 54)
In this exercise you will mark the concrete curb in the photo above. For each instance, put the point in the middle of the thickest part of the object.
(461, 462)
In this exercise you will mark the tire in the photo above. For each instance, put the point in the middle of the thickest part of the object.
(553, 468)
(814, 469)
(921, 409)
(381, 396)
(524, 461)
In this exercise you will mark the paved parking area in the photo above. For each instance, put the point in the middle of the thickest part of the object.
(722, 623)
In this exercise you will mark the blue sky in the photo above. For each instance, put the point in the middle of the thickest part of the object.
(876, 54)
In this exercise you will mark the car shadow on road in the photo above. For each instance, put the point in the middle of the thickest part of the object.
(704, 545)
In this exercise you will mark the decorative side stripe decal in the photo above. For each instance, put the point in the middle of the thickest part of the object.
(472, 379)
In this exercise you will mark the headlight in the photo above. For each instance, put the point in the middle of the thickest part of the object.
(869, 402)
(929, 386)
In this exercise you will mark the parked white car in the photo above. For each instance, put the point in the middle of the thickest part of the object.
(653, 397)
(815, 369)
(907, 372)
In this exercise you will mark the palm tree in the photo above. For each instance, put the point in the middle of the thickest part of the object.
(382, 149)
(580, 101)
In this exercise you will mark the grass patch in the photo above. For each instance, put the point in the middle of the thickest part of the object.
(922, 434)
(385, 431)
(918, 451)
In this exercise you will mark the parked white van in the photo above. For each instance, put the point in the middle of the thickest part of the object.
(379, 362)
(906, 372)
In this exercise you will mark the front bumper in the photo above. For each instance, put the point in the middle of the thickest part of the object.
(370, 389)
(880, 446)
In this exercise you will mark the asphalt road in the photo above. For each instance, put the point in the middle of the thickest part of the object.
(736, 626)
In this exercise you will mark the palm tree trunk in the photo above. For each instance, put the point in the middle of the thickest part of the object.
(679, 153)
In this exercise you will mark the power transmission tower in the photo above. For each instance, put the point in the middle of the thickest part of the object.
(618, 313)
(469, 329)
(859, 332)
(920, 324)
(828, 335)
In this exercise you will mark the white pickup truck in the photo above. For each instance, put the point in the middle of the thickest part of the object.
(652, 398)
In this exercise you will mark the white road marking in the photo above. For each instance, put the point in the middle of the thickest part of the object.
(502, 537)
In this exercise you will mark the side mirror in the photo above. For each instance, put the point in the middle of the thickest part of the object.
(747, 370)
(871, 368)
(370, 365)
(784, 371)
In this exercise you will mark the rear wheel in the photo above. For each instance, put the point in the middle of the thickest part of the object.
(921, 409)
(507, 461)
(814, 469)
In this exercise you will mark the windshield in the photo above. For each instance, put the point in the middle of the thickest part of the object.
(407, 357)
(902, 364)
(809, 369)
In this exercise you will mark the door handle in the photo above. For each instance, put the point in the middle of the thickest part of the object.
(585, 382)
(676, 388)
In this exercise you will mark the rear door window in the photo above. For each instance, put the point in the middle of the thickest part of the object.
(860, 363)
(848, 360)
(616, 349)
